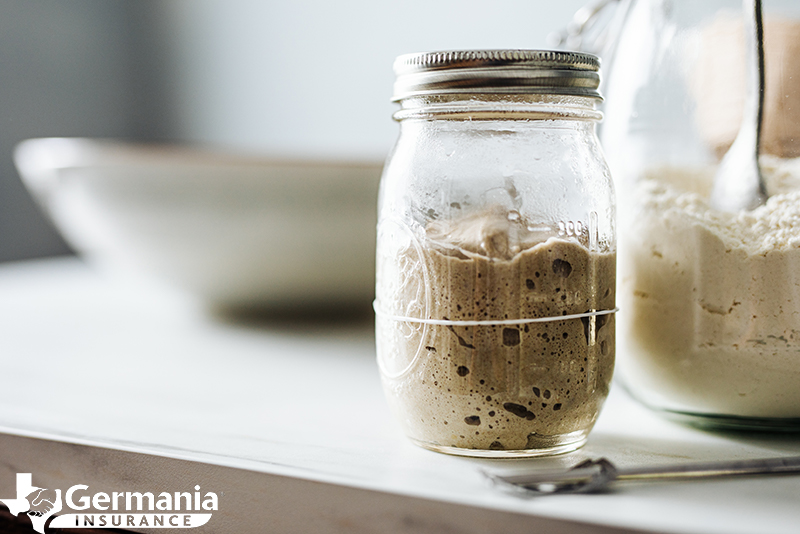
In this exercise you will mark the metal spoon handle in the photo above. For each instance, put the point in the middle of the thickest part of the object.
(596, 475)
(712, 469)
(738, 183)
(754, 44)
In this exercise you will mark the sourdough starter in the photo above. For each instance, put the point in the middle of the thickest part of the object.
(509, 386)
(711, 300)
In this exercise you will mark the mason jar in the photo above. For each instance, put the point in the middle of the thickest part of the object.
(496, 250)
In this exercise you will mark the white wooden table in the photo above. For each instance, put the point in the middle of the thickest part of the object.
(126, 387)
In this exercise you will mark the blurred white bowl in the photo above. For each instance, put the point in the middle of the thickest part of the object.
(239, 232)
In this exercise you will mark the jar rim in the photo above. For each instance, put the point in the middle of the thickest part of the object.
(494, 106)
(496, 71)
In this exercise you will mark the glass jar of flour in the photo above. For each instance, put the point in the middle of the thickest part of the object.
(710, 299)
(496, 253)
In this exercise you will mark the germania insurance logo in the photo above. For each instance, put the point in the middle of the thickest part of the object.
(103, 510)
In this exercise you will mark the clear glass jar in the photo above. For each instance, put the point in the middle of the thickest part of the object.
(710, 301)
(496, 254)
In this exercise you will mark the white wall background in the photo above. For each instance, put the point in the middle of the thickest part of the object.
(315, 77)
(304, 77)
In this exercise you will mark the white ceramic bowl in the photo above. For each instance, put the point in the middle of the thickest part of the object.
(239, 232)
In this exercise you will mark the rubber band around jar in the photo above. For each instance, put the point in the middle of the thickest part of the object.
(492, 322)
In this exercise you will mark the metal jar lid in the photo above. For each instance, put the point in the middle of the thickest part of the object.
(497, 72)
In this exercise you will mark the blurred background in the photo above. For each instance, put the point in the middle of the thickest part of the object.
(302, 79)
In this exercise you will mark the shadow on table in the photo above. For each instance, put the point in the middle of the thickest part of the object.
(355, 318)
(626, 449)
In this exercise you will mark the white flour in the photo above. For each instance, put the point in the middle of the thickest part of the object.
(711, 301)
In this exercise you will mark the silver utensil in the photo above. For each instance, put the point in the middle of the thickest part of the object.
(738, 184)
(597, 475)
